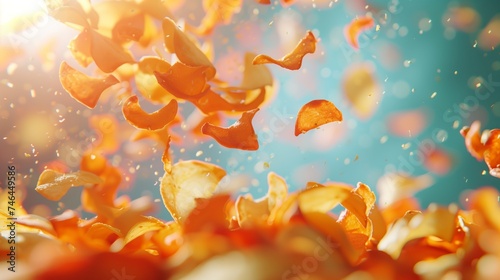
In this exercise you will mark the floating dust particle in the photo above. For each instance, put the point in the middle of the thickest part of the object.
(182, 150)
(384, 139)
(456, 124)
(27, 155)
(456, 72)
(406, 146)
(433, 94)
(33, 93)
(266, 165)
(484, 172)
(347, 161)
(356, 157)
(199, 153)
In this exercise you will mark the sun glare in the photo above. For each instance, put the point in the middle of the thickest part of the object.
(12, 10)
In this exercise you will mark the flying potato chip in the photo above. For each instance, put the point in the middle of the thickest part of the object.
(188, 53)
(176, 79)
(293, 60)
(486, 146)
(316, 113)
(357, 26)
(216, 12)
(239, 135)
(187, 181)
(54, 185)
(83, 88)
(361, 90)
(138, 118)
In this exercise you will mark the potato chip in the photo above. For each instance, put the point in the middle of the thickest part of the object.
(216, 12)
(107, 54)
(239, 135)
(187, 181)
(138, 118)
(316, 113)
(486, 146)
(473, 140)
(436, 221)
(357, 26)
(393, 187)
(78, 14)
(146, 82)
(54, 185)
(485, 201)
(188, 53)
(249, 211)
(293, 60)
(180, 75)
(277, 190)
(83, 88)
(361, 90)
(438, 161)
(208, 214)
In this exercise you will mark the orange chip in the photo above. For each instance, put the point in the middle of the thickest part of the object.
(361, 90)
(489, 37)
(107, 54)
(492, 153)
(78, 14)
(54, 185)
(357, 26)
(393, 187)
(83, 88)
(106, 127)
(293, 60)
(136, 116)
(188, 53)
(146, 82)
(315, 114)
(240, 135)
(438, 161)
(187, 181)
(473, 140)
(407, 123)
(184, 81)
(462, 18)
(217, 11)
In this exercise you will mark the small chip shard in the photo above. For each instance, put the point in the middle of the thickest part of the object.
(357, 26)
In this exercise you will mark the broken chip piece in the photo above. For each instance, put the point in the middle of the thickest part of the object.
(316, 113)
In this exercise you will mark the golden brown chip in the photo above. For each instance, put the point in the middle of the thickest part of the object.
(146, 82)
(473, 140)
(138, 118)
(107, 54)
(361, 90)
(293, 60)
(54, 185)
(316, 113)
(184, 81)
(187, 181)
(239, 135)
(357, 26)
(216, 12)
(188, 53)
(83, 88)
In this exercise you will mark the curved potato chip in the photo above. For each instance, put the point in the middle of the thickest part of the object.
(463, 18)
(357, 26)
(239, 135)
(277, 190)
(473, 140)
(393, 187)
(78, 14)
(184, 81)
(485, 201)
(492, 153)
(121, 21)
(140, 228)
(107, 54)
(217, 11)
(83, 88)
(188, 53)
(361, 90)
(436, 221)
(208, 214)
(489, 37)
(146, 81)
(54, 185)
(293, 60)
(187, 181)
(407, 123)
(248, 210)
(314, 114)
(138, 118)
